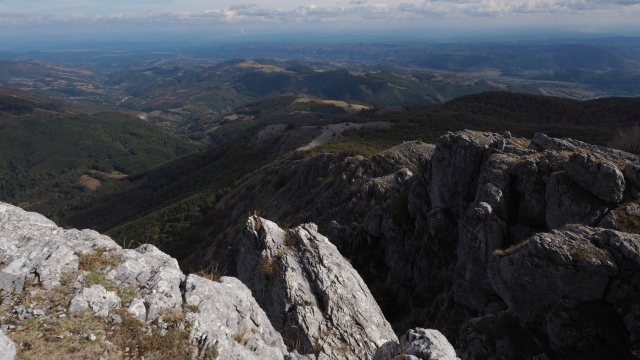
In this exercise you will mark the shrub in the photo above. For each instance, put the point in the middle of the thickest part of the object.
(627, 140)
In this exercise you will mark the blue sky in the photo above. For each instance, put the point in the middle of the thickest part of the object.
(44, 15)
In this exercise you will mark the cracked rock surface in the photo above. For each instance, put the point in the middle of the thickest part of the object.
(310, 293)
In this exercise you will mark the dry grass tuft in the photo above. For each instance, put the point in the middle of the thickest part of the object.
(257, 217)
(96, 262)
(511, 249)
(271, 267)
(214, 273)
(133, 334)
(239, 336)
(343, 349)
(289, 238)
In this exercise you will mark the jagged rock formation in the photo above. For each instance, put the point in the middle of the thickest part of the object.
(56, 281)
(517, 237)
(310, 292)
(39, 261)
(321, 189)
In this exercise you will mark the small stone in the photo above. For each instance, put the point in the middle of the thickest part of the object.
(633, 209)
(62, 316)
(91, 337)
(115, 318)
(137, 309)
(507, 134)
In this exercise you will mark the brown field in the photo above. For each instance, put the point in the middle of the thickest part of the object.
(89, 182)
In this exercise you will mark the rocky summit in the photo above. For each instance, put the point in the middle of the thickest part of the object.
(482, 246)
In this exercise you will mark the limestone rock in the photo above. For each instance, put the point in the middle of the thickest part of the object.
(267, 133)
(633, 209)
(147, 268)
(309, 291)
(7, 347)
(627, 244)
(455, 166)
(609, 221)
(96, 297)
(545, 142)
(481, 233)
(34, 247)
(418, 343)
(569, 204)
(600, 177)
(228, 317)
(561, 264)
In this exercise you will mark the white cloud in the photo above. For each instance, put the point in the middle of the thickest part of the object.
(392, 13)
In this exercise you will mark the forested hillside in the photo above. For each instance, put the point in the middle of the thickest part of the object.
(48, 152)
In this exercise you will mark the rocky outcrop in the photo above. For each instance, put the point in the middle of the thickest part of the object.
(7, 347)
(265, 134)
(529, 237)
(41, 264)
(228, 320)
(423, 344)
(310, 292)
(600, 177)
(319, 189)
(562, 264)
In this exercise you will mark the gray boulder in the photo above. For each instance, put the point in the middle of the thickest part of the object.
(154, 272)
(228, 318)
(310, 293)
(569, 204)
(561, 264)
(418, 343)
(600, 177)
(96, 297)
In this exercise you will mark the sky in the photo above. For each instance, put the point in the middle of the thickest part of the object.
(20, 17)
